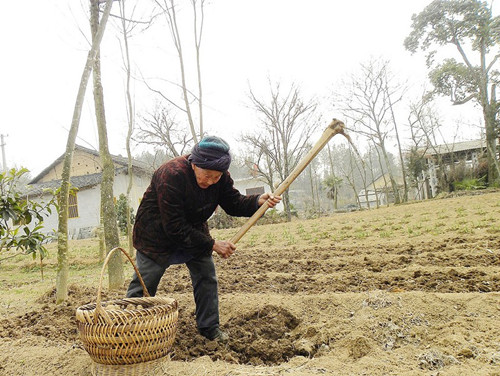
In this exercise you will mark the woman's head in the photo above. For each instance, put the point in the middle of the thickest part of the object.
(210, 158)
(211, 153)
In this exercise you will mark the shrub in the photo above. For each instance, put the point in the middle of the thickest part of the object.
(121, 213)
(21, 219)
(220, 220)
(469, 184)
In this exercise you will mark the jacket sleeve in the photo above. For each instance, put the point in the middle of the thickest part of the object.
(233, 202)
(171, 191)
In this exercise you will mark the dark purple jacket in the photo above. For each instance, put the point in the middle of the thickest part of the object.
(174, 211)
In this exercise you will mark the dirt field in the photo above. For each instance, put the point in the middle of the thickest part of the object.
(406, 290)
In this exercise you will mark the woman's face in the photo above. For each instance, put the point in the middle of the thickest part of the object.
(206, 178)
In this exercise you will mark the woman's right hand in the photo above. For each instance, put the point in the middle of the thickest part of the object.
(224, 249)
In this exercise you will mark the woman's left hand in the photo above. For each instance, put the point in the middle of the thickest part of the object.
(271, 199)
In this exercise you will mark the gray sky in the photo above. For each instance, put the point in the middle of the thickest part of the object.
(311, 43)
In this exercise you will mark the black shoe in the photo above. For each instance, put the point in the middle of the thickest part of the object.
(221, 336)
(215, 335)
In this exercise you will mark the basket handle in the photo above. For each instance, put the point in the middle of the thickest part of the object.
(98, 308)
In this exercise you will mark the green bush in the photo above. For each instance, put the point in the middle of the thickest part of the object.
(469, 184)
(121, 213)
(220, 220)
(21, 219)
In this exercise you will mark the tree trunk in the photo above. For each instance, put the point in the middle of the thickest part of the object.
(170, 12)
(111, 234)
(489, 113)
(62, 232)
(362, 174)
(400, 151)
(332, 173)
(318, 197)
(312, 188)
(377, 201)
(491, 144)
(394, 185)
(102, 243)
(286, 205)
(131, 250)
(197, 37)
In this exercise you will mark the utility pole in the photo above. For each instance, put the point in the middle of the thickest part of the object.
(2, 145)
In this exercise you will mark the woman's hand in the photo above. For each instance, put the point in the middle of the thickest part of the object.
(271, 199)
(223, 249)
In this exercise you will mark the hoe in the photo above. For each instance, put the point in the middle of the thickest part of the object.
(335, 127)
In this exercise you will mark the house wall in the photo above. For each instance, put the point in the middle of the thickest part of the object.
(89, 208)
(89, 201)
(139, 186)
(243, 184)
(82, 226)
(372, 199)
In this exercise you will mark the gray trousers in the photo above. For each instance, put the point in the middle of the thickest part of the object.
(203, 279)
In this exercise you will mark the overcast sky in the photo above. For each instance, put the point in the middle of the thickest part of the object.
(311, 43)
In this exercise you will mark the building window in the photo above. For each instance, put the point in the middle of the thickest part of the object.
(255, 191)
(72, 206)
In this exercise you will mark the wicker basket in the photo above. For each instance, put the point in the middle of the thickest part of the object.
(129, 331)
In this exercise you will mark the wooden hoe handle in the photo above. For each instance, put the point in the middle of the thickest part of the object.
(335, 127)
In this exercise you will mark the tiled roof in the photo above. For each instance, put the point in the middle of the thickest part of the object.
(456, 147)
(83, 181)
(118, 159)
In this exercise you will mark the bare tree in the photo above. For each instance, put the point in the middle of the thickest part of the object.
(287, 125)
(169, 9)
(369, 103)
(343, 168)
(111, 233)
(198, 32)
(316, 205)
(126, 29)
(420, 122)
(62, 231)
(390, 93)
(358, 167)
(127, 25)
(258, 161)
(332, 182)
(425, 129)
(160, 129)
(348, 171)
(372, 169)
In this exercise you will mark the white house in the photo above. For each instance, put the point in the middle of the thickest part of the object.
(253, 186)
(86, 176)
(379, 192)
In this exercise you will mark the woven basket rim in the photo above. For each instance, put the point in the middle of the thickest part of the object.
(156, 300)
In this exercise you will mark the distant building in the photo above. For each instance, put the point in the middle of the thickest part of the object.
(467, 152)
(379, 192)
(254, 186)
(86, 177)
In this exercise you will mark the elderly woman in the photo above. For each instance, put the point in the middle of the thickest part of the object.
(171, 225)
